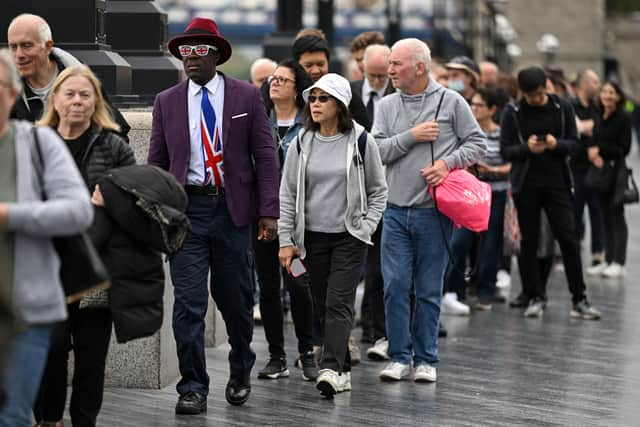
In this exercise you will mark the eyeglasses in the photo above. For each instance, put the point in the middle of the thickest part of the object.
(321, 98)
(200, 49)
(377, 76)
(281, 80)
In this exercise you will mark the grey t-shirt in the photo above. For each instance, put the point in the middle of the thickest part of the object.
(326, 192)
(8, 194)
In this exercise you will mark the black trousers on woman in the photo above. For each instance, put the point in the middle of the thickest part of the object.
(269, 270)
(616, 231)
(334, 261)
(88, 333)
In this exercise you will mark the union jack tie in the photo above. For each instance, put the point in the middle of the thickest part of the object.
(211, 144)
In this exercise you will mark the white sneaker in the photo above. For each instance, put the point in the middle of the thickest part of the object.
(451, 305)
(327, 382)
(379, 350)
(425, 373)
(596, 269)
(613, 270)
(344, 382)
(256, 313)
(503, 279)
(395, 371)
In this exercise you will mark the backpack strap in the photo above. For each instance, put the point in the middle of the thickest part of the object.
(362, 145)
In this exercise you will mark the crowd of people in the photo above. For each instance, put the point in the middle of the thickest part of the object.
(303, 179)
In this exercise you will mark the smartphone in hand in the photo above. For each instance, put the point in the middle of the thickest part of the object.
(542, 138)
(297, 268)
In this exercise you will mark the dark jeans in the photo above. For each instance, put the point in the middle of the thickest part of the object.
(334, 261)
(214, 243)
(616, 231)
(373, 320)
(558, 206)
(88, 333)
(490, 250)
(269, 271)
(585, 196)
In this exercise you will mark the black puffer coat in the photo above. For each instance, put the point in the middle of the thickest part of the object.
(143, 216)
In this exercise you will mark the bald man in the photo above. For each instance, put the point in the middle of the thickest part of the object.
(261, 69)
(376, 83)
(39, 63)
(488, 73)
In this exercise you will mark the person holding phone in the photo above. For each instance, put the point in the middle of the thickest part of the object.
(332, 196)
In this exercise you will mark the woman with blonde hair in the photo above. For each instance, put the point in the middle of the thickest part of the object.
(77, 111)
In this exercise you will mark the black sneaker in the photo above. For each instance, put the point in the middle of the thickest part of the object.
(442, 332)
(521, 301)
(585, 311)
(191, 403)
(309, 367)
(275, 368)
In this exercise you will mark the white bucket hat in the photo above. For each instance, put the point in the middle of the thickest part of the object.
(335, 85)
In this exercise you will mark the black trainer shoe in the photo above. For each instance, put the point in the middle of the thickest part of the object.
(191, 403)
(585, 311)
(276, 368)
(442, 332)
(309, 367)
(521, 301)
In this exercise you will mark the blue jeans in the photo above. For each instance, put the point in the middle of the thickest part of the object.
(414, 258)
(23, 374)
(490, 251)
(215, 244)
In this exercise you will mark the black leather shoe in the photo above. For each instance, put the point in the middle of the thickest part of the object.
(521, 301)
(237, 392)
(191, 403)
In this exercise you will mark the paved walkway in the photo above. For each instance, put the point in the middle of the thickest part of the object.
(497, 368)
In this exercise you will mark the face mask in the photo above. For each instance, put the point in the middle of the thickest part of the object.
(457, 85)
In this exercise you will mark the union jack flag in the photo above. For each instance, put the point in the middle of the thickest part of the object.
(211, 144)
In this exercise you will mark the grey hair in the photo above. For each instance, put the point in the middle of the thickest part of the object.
(44, 30)
(376, 48)
(261, 61)
(6, 61)
(420, 52)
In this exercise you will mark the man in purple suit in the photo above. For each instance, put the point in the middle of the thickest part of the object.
(211, 132)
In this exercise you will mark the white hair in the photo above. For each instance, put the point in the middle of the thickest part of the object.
(6, 61)
(372, 49)
(44, 30)
(259, 62)
(420, 52)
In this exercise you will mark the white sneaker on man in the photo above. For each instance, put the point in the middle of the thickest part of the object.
(596, 268)
(503, 279)
(330, 382)
(613, 270)
(451, 305)
(379, 350)
(395, 371)
(425, 373)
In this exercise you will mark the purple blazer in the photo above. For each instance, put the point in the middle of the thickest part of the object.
(250, 164)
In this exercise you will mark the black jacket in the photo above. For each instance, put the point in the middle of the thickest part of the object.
(29, 107)
(614, 136)
(514, 148)
(143, 216)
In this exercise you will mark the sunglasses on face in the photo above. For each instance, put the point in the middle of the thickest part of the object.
(321, 98)
(201, 49)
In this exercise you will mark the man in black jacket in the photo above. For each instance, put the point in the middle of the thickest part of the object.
(312, 52)
(39, 64)
(538, 134)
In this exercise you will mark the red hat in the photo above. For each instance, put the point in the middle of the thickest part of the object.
(206, 30)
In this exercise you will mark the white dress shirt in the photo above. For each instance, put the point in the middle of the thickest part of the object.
(215, 86)
(366, 93)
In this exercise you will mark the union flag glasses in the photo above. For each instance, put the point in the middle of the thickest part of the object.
(200, 49)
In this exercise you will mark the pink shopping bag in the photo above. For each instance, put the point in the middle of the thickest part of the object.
(464, 199)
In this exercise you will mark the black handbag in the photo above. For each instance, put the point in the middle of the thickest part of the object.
(599, 179)
(81, 269)
(626, 191)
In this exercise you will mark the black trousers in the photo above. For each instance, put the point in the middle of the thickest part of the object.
(558, 205)
(334, 261)
(616, 230)
(269, 273)
(373, 320)
(88, 333)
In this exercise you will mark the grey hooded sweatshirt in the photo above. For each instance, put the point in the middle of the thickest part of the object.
(366, 189)
(460, 143)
